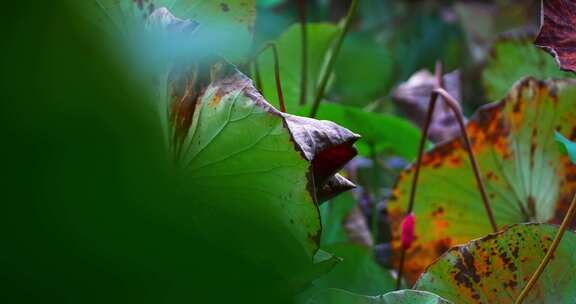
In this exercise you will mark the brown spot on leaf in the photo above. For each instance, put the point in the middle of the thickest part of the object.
(466, 274)
(225, 7)
(438, 212)
(455, 161)
(442, 245)
(518, 107)
(531, 205)
(572, 136)
(490, 175)
(186, 85)
(139, 4)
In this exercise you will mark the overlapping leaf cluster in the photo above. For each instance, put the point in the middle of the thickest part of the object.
(157, 184)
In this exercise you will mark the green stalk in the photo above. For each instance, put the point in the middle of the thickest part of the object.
(332, 61)
(304, 53)
(258, 76)
(568, 218)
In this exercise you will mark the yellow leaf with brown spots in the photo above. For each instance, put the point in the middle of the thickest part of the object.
(527, 178)
(495, 268)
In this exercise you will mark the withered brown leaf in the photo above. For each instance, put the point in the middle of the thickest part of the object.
(558, 32)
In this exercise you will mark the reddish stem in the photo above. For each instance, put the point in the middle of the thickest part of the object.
(277, 77)
(453, 105)
(272, 45)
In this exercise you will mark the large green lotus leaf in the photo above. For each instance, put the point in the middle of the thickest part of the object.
(216, 25)
(557, 34)
(357, 272)
(512, 59)
(236, 148)
(320, 38)
(526, 176)
(339, 296)
(364, 70)
(495, 268)
(386, 133)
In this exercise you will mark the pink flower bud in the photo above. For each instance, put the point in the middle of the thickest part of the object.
(408, 230)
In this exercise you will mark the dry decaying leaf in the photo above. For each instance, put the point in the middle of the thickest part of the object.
(413, 97)
(558, 32)
(526, 176)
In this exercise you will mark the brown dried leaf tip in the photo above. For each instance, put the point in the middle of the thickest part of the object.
(558, 32)
(328, 147)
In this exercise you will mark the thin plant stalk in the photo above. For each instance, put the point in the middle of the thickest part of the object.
(258, 77)
(332, 61)
(453, 105)
(304, 52)
(568, 218)
(275, 56)
(277, 78)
